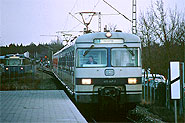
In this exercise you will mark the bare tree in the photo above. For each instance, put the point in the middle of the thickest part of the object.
(146, 28)
(165, 28)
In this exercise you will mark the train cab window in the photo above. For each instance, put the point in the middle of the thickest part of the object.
(94, 58)
(13, 62)
(129, 57)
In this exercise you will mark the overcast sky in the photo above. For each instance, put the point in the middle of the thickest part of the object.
(23, 21)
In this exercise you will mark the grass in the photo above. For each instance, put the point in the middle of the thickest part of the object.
(40, 81)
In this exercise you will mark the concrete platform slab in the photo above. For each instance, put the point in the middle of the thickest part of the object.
(38, 106)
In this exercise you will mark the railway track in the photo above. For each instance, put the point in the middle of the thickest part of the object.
(93, 118)
(104, 116)
(131, 120)
(125, 119)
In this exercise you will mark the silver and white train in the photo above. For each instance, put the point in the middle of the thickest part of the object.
(101, 65)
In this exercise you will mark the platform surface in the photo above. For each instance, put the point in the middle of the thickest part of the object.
(41, 106)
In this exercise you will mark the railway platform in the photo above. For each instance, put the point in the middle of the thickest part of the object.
(47, 106)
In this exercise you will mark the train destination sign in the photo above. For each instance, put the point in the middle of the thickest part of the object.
(108, 41)
(14, 57)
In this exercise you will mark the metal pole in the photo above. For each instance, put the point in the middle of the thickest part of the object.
(9, 77)
(169, 88)
(181, 91)
(180, 107)
(154, 91)
(175, 109)
(51, 61)
(117, 10)
(42, 73)
(33, 71)
(99, 21)
(183, 77)
(134, 22)
(151, 91)
(147, 89)
(183, 88)
(144, 89)
(16, 78)
(166, 94)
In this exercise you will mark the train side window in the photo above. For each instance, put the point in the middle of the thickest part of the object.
(63, 62)
(60, 63)
(68, 62)
(72, 60)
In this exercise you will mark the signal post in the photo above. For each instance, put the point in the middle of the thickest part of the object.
(177, 84)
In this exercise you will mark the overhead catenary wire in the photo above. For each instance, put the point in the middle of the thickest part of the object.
(96, 5)
(117, 11)
(75, 27)
(86, 24)
(101, 14)
(74, 5)
(66, 21)
(80, 22)
(76, 18)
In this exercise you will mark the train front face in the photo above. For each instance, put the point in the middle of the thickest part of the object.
(108, 67)
(14, 66)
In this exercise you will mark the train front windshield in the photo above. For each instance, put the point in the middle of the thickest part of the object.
(120, 57)
(13, 62)
(92, 58)
(125, 57)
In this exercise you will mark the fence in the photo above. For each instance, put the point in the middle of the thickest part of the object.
(160, 93)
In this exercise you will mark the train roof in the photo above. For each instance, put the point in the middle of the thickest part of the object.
(15, 55)
(67, 46)
(102, 35)
(91, 36)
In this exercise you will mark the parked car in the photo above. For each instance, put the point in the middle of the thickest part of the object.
(154, 80)
(160, 78)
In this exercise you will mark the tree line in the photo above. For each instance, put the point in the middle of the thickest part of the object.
(36, 51)
(162, 33)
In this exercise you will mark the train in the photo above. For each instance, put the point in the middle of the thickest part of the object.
(16, 64)
(101, 66)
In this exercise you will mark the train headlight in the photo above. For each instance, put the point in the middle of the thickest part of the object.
(108, 34)
(86, 81)
(22, 68)
(7, 68)
(132, 80)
